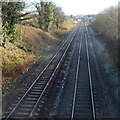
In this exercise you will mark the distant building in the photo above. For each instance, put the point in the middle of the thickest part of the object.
(79, 20)
(88, 18)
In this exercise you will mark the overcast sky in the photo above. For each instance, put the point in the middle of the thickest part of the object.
(76, 7)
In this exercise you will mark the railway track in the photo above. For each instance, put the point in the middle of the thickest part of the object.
(27, 103)
(83, 101)
(78, 99)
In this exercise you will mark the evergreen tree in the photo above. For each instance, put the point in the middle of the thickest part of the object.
(49, 15)
(11, 15)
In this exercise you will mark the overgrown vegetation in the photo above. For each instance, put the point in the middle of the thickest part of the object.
(50, 16)
(28, 37)
(15, 61)
(11, 15)
(106, 23)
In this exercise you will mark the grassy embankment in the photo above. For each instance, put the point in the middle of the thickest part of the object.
(106, 25)
(35, 44)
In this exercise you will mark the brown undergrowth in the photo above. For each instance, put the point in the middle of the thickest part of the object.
(19, 56)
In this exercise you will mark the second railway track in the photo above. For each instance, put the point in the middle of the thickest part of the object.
(83, 101)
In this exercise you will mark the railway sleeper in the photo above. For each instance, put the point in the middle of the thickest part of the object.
(33, 96)
(38, 87)
(40, 83)
(29, 102)
(31, 99)
(36, 90)
(82, 115)
(27, 105)
(24, 110)
(35, 93)
(24, 113)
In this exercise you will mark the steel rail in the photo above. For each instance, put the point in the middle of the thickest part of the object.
(40, 74)
(76, 80)
(90, 79)
(95, 60)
